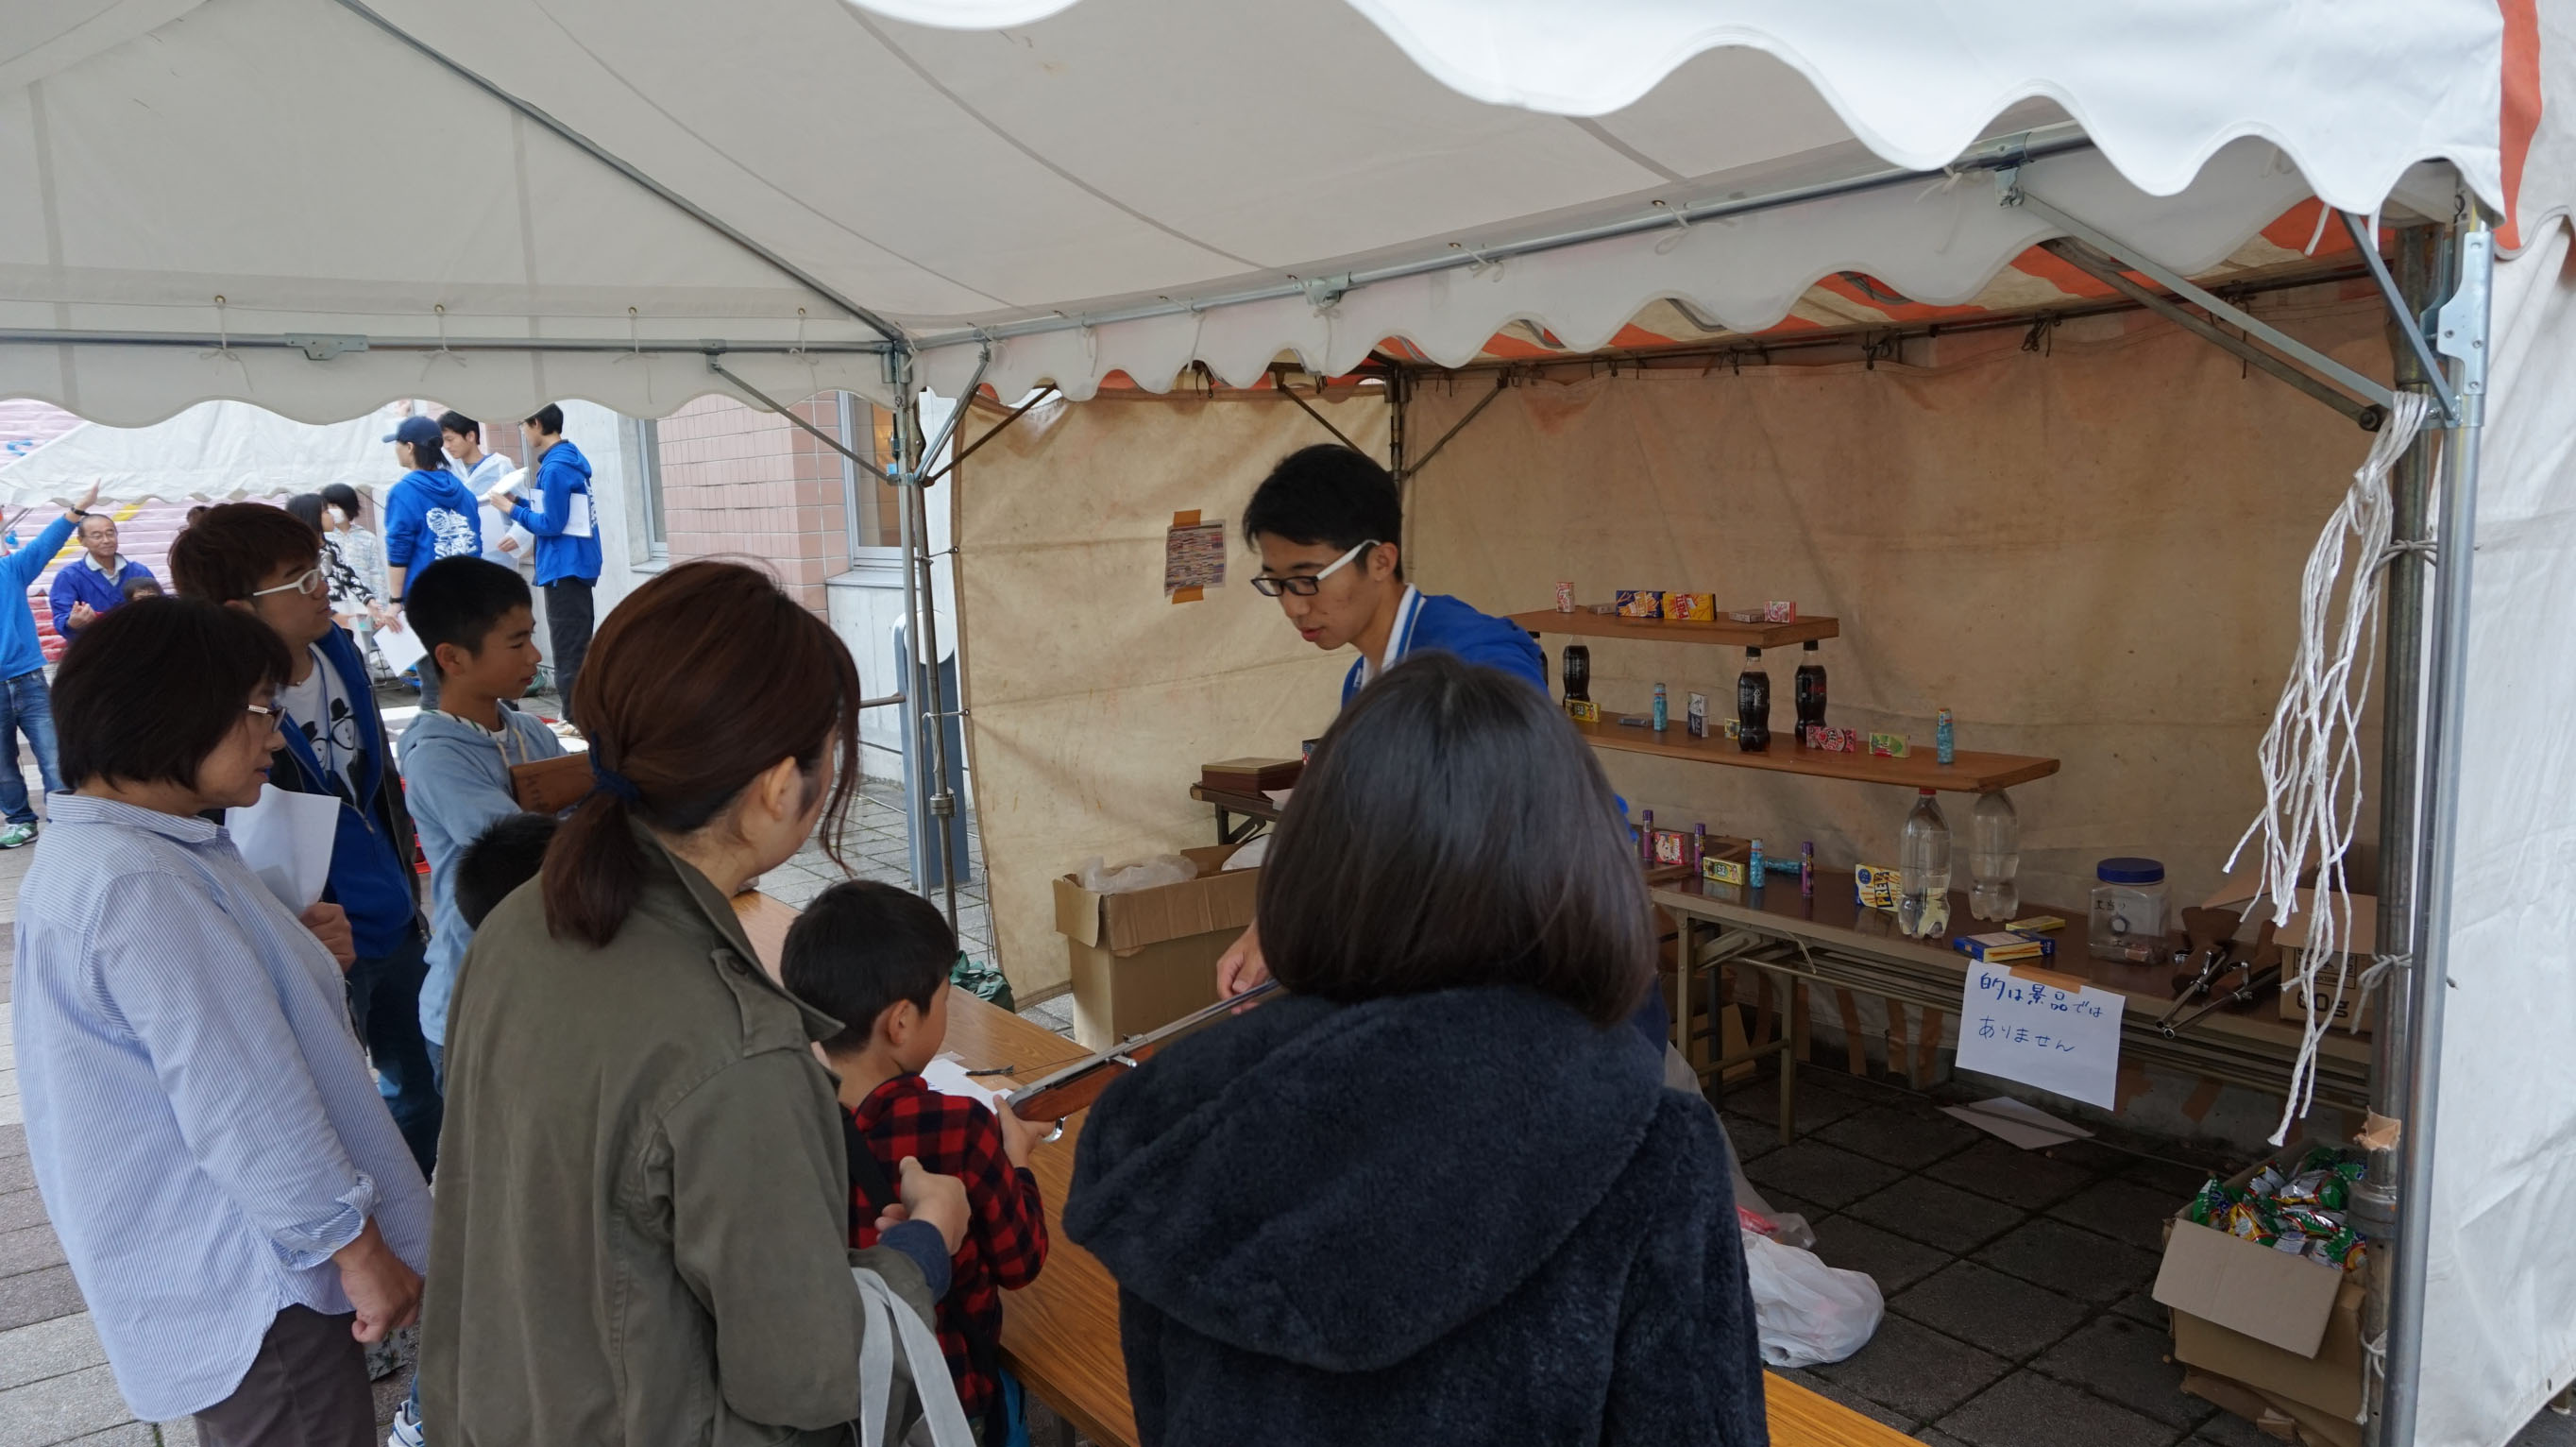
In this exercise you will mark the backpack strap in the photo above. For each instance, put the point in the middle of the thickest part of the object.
(867, 1174)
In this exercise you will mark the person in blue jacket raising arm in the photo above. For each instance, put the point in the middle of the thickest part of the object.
(1327, 520)
(567, 533)
(25, 705)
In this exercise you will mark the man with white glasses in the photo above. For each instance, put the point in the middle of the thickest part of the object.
(266, 562)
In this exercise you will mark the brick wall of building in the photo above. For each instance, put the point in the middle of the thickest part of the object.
(742, 483)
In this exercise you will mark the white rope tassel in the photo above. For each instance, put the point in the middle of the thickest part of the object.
(2311, 755)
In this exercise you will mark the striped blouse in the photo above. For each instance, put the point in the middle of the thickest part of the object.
(200, 1115)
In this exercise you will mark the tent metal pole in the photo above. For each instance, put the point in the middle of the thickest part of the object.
(322, 347)
(612, 161)
(2464, 331)
(792, 415)
(2003, 152)
(1040, 395)
(2106, 271)
(1279, 380)
(1500, 381)
(2374, 1197)
(932, 720)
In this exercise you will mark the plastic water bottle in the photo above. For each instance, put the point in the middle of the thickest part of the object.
(1994, 857)
(1923, 869)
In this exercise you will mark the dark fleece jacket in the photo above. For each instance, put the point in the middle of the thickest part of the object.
(1462, 1217)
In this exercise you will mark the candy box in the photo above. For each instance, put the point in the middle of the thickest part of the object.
(1697, 719)
(1583, 710)
(1780, 612)
(1565, 597)
(2261, 1317)
(1690, 608)
(1640, 603)
(1745, 615)
(1887, 746)
(1875, 886)
(1672, 847)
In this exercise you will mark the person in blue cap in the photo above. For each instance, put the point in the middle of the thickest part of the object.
(429, 515)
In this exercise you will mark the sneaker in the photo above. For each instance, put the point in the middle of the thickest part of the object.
(17, 836)
(406, 1431)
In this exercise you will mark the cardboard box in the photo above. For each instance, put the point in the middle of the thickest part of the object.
(2353, 1004)
(1145, 959)
(2273, 1416)
(1251, 776)
(2285, 1325)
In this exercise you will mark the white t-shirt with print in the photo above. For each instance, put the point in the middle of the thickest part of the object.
(320, 708)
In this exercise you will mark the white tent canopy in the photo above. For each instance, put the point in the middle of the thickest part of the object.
(213, 452)
(321, 206)
(263, 186)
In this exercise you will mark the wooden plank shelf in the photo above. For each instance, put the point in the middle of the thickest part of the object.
(1725, 631)
(1973, 773)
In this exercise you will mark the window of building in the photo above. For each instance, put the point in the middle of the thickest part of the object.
(874, 508)
(648, 449)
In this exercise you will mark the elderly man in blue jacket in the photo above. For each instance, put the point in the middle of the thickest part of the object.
(566, 525)
(95, 581)
(26, 707)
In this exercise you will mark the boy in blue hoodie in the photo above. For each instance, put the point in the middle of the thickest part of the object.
(567, 533)
(477, 622)
(267, 562)
(429, 515)
(25, 705)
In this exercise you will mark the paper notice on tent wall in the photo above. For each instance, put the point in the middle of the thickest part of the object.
(2048, 1030)
(1193, 557)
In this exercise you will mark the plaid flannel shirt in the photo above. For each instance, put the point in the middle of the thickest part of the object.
(1006, 1238)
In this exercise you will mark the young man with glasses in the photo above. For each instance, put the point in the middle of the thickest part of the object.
(25, 705)
(1327, 520)
(265, 561)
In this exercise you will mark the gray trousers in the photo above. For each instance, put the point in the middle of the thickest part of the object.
(306, 1388)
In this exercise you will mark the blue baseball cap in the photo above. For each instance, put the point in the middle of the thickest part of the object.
(418, 431)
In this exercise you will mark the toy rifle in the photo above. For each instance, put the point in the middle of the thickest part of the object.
(1077, 1085)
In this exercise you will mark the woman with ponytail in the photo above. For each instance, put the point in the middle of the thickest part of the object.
(643, 1197)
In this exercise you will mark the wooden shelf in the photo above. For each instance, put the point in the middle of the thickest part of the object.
(1974, 773)
(1725, 632)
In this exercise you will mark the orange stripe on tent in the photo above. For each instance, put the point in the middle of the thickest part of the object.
(1870, 292)
(1791, 323)
(2522, 102)
(1633, 335)
(1512, 348)
(2049, 267)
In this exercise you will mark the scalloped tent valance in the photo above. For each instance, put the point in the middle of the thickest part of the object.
(321, 205)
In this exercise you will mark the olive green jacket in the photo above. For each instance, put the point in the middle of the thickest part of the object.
(642, 1205)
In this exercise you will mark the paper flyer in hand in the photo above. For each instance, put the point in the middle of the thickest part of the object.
(286, 840)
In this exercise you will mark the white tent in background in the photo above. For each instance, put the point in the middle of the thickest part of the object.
(213, 452)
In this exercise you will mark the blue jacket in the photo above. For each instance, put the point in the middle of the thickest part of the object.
(371, 875)
(19, 650)
(562, 474)
(429, 516)
(459, 786)
(78, 582)
(1441, 624)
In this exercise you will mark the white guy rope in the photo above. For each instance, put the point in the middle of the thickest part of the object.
(2311, 755)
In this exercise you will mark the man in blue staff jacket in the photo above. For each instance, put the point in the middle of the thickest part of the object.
(94, 582)
(1327, 520)
(567, 533)
(26, 707)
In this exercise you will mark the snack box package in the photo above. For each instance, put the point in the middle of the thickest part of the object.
(1583, 710)
(1746, 615)
(1690, 608)
(1719, 869)
(1565, 597)
(1875, 885)
(1697, 719)
(1672, 847)
(1640, 603)
(1780, 612)
(1995, 949)
(2036, 924)
(1887, 746)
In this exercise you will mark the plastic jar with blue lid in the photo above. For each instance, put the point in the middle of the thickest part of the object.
(2128, 910)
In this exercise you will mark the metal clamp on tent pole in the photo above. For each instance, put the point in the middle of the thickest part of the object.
(2008, 183)
(2413, 326)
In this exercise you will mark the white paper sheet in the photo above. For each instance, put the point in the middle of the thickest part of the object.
(400, 647)
(948, 1076)
(577, 516)
(286, 840)
(2026, 1126)
(2041, 1034)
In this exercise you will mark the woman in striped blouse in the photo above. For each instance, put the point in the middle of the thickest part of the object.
(232, 1195)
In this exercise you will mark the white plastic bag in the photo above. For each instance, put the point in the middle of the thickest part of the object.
(1151, 873)
(1807, 1312)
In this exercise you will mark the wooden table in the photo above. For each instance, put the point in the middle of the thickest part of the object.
(1848, 948)
(1060, 1332)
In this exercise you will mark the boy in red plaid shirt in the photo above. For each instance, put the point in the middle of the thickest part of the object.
(877, 959)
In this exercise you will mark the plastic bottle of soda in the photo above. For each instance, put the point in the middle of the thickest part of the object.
(1994, 857)
(1809, 692)
(1753, 705)
(1923, 869)
(1578, 672)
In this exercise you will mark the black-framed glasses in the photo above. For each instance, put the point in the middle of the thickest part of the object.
(1305, 584)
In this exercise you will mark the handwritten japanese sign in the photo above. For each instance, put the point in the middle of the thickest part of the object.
(2040, 1033)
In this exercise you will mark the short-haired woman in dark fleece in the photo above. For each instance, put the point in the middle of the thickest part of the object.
(1438, 1192)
